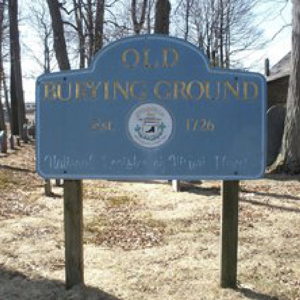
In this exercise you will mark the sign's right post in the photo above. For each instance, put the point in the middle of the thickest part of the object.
(229, 234)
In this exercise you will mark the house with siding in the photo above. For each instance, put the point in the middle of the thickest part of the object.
(278, 81)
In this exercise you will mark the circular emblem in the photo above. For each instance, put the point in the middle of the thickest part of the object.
(150, 125)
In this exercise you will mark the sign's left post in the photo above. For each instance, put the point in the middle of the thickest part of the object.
(73, 225)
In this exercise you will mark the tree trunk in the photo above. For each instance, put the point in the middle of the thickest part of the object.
(90, 29)
(289, 157)
(14, 102)
(189, 4)
(59, 37)
(17, 97)
(47, 33)
(99, 24)
(162, 16)
(6, 97)
(138, 25)
(2, 117)
(47, 59)
(81, 37)
(149, 21)
(221, 35)
(227, 36)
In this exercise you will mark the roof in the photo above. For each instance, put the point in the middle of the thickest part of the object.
(281, 69)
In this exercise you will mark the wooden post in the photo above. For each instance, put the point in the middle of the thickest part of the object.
(229, 235)
(73, 222)
(58, 182)
(176, 186)
(48, 188)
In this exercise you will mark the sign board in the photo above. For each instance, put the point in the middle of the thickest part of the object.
(150, 107)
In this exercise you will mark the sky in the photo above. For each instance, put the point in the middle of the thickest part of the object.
(273, 20)
(277, 31)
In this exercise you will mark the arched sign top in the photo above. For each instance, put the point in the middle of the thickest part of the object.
(151, 55)
(151, 107)
(150, 52)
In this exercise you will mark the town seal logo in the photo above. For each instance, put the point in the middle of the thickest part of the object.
(150, 125)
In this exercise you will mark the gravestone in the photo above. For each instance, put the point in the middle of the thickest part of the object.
(3, 145)
(276, 117)
(12, 142)
(31, 131)
(25, 133)
(59, 182)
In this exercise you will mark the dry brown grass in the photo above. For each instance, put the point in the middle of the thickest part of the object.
(143, 241)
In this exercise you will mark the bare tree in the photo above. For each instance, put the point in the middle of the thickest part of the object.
(78, 12)
(40, 21)
(2, 117)
(138, 24)
(83, 21)
(3, 128)
(150, 17)
(221, 28)
(59, 35)
(4, 42)
(94, 14)
(162, 16)
(17, 97)
(99, 26)
(118, 21)
(188, 4)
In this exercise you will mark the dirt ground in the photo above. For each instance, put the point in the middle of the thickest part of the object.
(144, 241)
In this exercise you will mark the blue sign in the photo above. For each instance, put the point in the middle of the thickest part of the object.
(150, 107)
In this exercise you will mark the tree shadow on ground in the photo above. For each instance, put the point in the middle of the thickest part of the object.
(271, 206)
(194, 188)
(54, 195)
(278, 196)
(16, 169)
(282, 177)
(15, 286)
(154, 182)
(197, 189)
(250, 294)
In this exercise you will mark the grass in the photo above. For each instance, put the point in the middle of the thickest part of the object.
(176, 236)
(122, 226)
(120, 201)
(8, 180)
